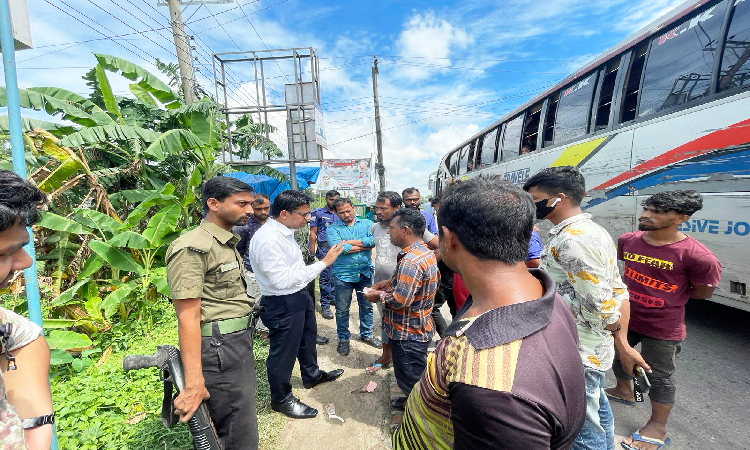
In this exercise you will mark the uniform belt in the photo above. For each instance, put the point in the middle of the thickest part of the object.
(226, 326)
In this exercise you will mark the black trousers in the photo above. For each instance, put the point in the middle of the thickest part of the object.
(292, 331)
(409, 361)
(229, 373)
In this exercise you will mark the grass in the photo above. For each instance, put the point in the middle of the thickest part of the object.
(103, 407)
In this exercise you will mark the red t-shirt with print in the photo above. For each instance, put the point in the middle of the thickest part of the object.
(659, 278)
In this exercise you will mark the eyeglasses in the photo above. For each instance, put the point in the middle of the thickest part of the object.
(305, 214)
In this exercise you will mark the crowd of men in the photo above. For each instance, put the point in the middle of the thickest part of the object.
(521, 365)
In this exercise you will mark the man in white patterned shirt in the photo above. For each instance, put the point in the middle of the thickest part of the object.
(582, 259)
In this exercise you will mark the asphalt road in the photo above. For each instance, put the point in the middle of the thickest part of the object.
(712, 410)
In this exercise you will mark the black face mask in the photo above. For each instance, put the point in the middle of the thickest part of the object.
(542, 210)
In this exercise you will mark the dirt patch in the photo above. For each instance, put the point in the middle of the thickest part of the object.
(366, 415)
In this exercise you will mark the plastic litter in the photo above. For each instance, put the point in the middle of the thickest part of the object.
(331, 411)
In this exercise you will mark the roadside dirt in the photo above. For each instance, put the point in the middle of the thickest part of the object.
(366, 415)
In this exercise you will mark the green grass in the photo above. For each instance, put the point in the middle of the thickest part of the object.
(92, 406)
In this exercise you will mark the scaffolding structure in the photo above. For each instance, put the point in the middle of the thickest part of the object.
(301, 104)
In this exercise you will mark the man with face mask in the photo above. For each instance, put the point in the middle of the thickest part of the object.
(582, 259)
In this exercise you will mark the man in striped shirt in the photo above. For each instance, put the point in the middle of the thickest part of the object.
(352, 272)
(506, 374)
(408, 299)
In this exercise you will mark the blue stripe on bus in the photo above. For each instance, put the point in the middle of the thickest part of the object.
(736, 164)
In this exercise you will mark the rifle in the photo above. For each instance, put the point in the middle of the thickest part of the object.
(167, 359)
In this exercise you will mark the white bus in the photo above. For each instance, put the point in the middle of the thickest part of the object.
(668, 108)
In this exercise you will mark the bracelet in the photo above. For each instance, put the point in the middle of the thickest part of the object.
(616, 330)
(36, 422)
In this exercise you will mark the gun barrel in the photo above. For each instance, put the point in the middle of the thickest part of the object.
(134, 362)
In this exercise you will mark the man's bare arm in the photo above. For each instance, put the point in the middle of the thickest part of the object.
(702, 291)
(189, 330)
(28, 389)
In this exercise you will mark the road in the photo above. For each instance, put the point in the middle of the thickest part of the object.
(713, 383)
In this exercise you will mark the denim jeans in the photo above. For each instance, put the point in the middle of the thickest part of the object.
(409, 361)
(325, 281)
(598, 432)
(343, 293)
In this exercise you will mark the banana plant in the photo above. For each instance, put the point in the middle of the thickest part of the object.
(126, 270)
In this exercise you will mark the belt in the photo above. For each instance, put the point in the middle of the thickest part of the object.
(226, 326)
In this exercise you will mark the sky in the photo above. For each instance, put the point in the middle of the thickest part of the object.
(447, 69)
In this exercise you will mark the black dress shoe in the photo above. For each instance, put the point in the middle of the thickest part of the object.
(343, 348)
(326, 313)
(324, 378)
(320, 340)
(295, 409)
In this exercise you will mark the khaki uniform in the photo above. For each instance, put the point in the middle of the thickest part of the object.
(204, 263)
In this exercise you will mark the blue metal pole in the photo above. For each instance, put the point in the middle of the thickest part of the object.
(16, 143)
(19, 160)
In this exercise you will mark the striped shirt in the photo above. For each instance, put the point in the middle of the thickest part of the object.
(349, 266)
(408, 301)
(509, 378)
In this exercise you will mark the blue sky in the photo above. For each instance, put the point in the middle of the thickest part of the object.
(447, 68)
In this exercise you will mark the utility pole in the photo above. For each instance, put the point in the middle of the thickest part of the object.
(183, 50)
(378, 135)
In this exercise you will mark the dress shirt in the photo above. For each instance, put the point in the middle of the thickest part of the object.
(277, 260)
(322, 218)
(430, 223)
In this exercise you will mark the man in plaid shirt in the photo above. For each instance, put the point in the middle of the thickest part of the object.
(408, 299)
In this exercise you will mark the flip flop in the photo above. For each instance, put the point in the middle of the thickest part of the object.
(398, 403)
(375, 368)
(638, 438)
(619, 399)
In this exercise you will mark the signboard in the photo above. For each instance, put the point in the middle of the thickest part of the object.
(345, 173)
(19, 17)
(320, 129)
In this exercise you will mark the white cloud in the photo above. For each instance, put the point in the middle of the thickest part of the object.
(426, 36)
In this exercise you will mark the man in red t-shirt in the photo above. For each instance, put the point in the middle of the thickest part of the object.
(663, 269)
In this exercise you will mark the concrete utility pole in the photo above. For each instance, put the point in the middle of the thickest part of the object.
(183, 50)
(378, 135)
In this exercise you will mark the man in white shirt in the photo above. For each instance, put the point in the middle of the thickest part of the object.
(288, 311)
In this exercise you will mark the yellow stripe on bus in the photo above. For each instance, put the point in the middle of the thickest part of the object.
(573, 155)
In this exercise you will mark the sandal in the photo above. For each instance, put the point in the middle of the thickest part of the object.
(376, 367)
(638, 438)
(398, 403)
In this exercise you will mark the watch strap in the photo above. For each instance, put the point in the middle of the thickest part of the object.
(35, 422)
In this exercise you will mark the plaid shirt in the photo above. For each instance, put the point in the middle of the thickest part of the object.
(408, 301)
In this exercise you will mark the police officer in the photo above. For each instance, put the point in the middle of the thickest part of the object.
(205, 275)
(321, 219)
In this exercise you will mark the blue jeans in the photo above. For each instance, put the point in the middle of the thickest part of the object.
(325, 281)
(343, 302)
(598, 432)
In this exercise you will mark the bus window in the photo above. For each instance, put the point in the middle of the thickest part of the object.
(489, 148)
(549, 120)
(452, 164)
(464, 160)
(512, 138)
(735, 65)
(573, 109)
(470, 159)
(632, 88)
(531, 127)
(605, 96)
(681, 61)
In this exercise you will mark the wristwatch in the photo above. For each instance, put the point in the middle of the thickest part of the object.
(616, 330)
(35, 422)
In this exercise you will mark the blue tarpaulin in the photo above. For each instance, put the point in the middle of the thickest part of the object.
(271, 186)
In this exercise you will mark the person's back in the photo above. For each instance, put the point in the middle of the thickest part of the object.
(507, 375)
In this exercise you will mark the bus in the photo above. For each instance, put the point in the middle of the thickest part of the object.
(667, 108)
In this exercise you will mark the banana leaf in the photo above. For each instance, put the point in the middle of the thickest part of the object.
(94, 135)
(59, 223)
(110, 102)
(148, 81)
(115, 257)
(162, 223)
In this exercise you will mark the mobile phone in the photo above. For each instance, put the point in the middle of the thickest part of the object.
(641, 385)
